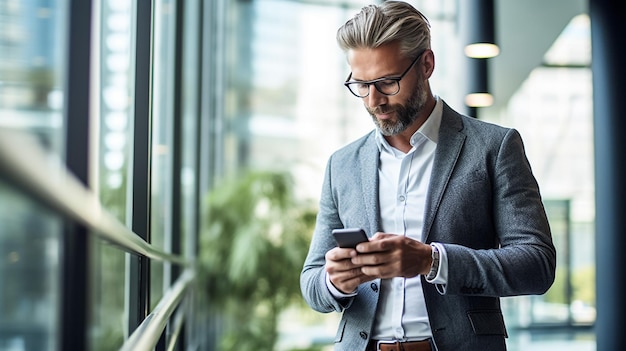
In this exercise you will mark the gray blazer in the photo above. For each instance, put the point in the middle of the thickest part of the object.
(485, 207)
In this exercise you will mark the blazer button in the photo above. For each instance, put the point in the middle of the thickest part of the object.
(363, 335)
(374, 287)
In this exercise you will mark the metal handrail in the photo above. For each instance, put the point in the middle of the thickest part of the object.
(26, 164)
(177, 328)
(147, 334)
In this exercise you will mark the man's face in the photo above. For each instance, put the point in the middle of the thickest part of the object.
(392, 114)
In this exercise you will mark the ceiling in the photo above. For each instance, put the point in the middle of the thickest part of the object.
(525, 31)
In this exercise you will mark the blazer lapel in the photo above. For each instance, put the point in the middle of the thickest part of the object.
(448, 149)
(369, 159)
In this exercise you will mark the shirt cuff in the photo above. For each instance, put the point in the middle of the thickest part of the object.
(442, 273)
(335, 292)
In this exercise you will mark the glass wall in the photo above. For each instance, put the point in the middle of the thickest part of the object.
(553, 112)
(32, 43)
(144, 64)
(115, 96)
(29, 247)
(32, 68)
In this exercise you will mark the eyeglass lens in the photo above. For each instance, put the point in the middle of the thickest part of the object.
(387, 87)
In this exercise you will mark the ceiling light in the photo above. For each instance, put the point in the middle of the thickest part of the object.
(478, 28)
(477, 93)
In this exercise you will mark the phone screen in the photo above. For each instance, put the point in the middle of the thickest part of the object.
(349, 237)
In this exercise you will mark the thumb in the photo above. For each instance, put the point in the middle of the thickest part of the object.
(381, 235)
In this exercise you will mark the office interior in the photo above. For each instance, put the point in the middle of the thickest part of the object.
(160, 163)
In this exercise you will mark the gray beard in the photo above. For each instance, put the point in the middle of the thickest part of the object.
(406, 114)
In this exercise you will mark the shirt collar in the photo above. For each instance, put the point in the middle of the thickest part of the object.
(430, 128)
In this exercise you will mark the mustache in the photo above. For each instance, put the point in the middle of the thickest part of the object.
(379, 110)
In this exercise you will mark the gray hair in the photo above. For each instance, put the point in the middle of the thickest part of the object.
(391, 21)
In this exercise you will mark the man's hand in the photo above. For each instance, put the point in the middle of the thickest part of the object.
(391, 255)
(384, 256)
(343, 273)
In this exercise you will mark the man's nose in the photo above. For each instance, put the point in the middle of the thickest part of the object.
(375, 97)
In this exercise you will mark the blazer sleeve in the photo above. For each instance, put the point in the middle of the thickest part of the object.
(313, 275)
(348, 200)
(493, 225)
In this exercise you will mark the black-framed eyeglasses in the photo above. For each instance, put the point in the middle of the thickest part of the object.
(384, 85)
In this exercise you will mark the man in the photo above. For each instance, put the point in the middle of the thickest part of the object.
(453, 211)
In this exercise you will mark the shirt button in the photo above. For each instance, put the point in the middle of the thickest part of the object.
(363, 335)
(374, 287)
(401, 198)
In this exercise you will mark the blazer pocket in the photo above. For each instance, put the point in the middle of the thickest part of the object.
(487, 322)
(473, 181)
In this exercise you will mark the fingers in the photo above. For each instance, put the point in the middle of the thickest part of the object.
(339, 260)
(384, 256)
(348, 281)
(381, 235)
(382, 271)
(338, 254)
(343, 273)
(381, 242)
(388, 256)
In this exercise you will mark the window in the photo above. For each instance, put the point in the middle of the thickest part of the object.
(43, 216)
(32, 44)
(108, 264)
(553, 112)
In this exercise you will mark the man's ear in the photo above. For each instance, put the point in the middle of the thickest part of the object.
(428, 65)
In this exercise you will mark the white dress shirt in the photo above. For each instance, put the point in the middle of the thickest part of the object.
(403, 186)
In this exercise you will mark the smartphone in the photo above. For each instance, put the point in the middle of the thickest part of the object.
(349, 237)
